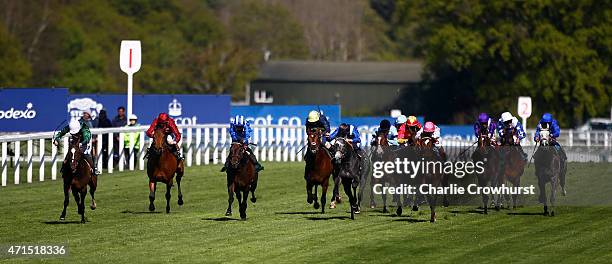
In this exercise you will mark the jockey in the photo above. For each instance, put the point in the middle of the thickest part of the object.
(169, 129)
(316, 119)
(430, 130)
(508, 121)
(485, 126)
(351, 134)
(411, 125)
(549, 123)
(79, 127)
(385, 127)
(240, 131)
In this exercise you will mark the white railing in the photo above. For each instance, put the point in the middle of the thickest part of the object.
(209, 144)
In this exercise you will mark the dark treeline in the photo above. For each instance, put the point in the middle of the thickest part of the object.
(480, 55)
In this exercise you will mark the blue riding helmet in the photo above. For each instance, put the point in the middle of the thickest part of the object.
(547, 118)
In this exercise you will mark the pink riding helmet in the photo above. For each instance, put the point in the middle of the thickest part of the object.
(429, 127)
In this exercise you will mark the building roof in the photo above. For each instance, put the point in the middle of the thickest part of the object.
(325, 71)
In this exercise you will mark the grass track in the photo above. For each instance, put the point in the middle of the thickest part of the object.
(283, 228)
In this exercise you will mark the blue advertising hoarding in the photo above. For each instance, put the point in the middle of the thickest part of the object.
(32, 109)
(285, 114)
(185, 109)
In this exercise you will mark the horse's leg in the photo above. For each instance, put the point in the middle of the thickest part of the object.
(553, 194)
(356, 200)
(346, 184)
(179, 177)
(372, 201)
(168, 188)
(362, 182)
(516, 183)
(432, 205)
(384, 199)
(230, 198)
(315, 198)
(77, 200)
(445, 202)
(93, 185)
(152, 188)
(83, 194)
(253, 188)
(309, 186)
(66, 200)
(542, 198)
(244, 204)
(324, 187)
(482, 182)
(335, 192)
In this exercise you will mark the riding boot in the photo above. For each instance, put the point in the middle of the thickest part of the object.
(258, 166)
(177, 153)
(91, 162)
(225, 165)
(149, 149)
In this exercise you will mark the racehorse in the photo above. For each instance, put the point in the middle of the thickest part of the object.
(513, 163)
(318, 168)
(380, 151)
(548, 168)
(241, 178)
(433, 178)
(487, 154)
(78, 174)
(410, 152)
(162, 165)
(347, 167)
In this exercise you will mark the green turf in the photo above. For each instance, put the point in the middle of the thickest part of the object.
(282, 228)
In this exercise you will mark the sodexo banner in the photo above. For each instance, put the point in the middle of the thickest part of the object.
(185, 109)
(285, 114)
(32, 109)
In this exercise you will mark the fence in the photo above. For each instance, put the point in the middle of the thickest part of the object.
(208, 144)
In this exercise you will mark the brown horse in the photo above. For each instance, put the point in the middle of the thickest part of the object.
(425, 149)
(548, 168)
(77, 175)
(241, 178)
(162, 165)
(513, 163)
(318, 168)
(487, 154)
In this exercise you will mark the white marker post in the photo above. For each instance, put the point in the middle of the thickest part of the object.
(524, 110)
(129, 61)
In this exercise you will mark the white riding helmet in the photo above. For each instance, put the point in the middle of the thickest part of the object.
(401, 119)
(313, 116)
(133, 117)
(75, 126)
(506, 116)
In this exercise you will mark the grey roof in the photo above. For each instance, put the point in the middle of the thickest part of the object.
(324, 71)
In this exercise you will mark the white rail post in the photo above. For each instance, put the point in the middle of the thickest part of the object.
(141, 150)
(256, 142)
(224, 144)
(263, 142)
(121, 152)
(293, 143)
(198, 147)
(588, 136)
(285, 142)
(53, 161)
(98, 150)
(606, 138)
(189, 146)
(29, 158)
(4, 162)
(570, 138)
(206, 146)
(16, 160)
(110, 150)
(41, 153)
(215, 141)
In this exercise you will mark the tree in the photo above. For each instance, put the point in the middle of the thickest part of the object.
(15, 71)
(484, 54)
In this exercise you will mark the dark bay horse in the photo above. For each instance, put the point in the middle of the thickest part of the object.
(548, 169)
(487, 154)
(77, 175)
(380, 151)
(318, 168)
(241, 178)
(347, 166)
(162, 165)
(513, 163)
(434, 178)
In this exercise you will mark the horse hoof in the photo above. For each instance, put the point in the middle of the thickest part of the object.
(62, 218)
(496, 208)
(563, 192)
(93, 206)
(253, 199)
(83, 221)
(415, 208)
(398, 212)
(167, 210)
(332, 205)
(385, 211)
(180, 202)
(357, 210)
(309, 200)
(338, 199)
(316, 206)
(228, 213)
(243, 216)
(433, 220)
(552, 213)
(151, 207)
(372, 206)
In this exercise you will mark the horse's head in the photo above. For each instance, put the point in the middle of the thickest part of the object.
(237, 151)
(545, 137)
(509, 136)
(425, 145)
(343, 150)
(75, 152)
(159, 137)
(411, 135)
(484, 140)
(314, 139)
